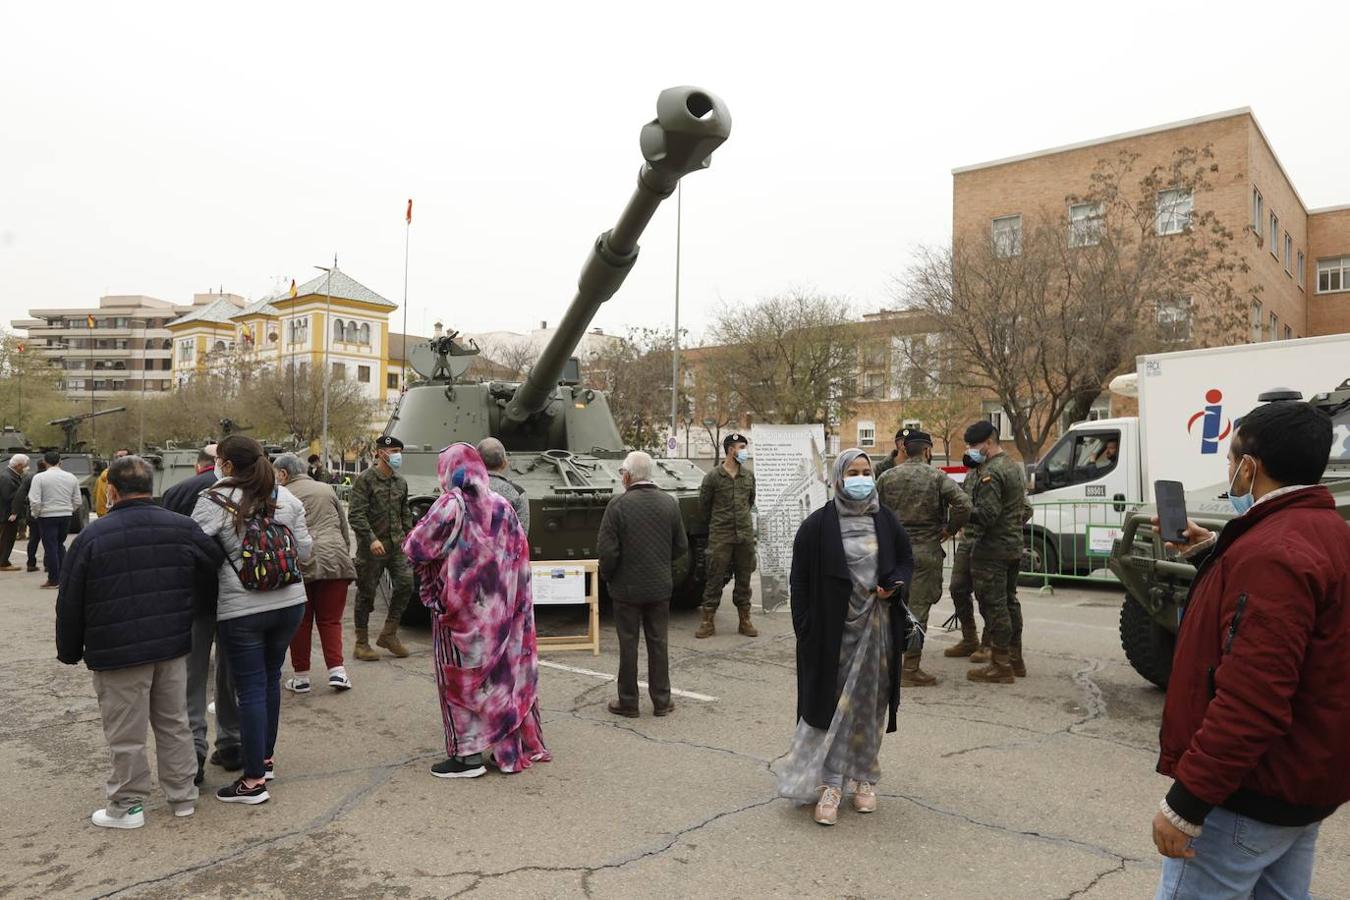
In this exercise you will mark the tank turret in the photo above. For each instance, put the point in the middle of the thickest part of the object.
(564, 444)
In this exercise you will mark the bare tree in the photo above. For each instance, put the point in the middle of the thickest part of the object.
(635, 373)
(795, 357)
(1041, 320)
(506, 360)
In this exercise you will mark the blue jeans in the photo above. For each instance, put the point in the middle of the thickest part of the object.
(54, 531)
(1237, 857)
(256, 646)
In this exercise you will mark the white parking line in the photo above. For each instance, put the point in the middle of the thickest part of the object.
(606, 677)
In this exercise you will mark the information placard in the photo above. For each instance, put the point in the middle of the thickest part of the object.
(557, 585)
(790, 477)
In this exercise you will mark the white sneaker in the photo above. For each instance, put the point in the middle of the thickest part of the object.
(338, 680)
(298, 685)
(183, 812)
(133, 818)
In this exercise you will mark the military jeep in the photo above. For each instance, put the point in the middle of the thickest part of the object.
(1157, 583)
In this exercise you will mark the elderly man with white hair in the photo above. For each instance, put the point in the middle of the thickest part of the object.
(12, 502)
(498, 464)
(643, 554)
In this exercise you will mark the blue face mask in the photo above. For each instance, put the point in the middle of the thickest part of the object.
(976, 455)
(859, 487)
(742, 456)
(395, 460)
(1241, 502)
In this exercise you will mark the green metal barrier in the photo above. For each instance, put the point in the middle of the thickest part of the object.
(1070, 540)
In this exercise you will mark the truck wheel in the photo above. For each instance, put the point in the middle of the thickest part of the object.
(690, 594)
(1147, 645)
(1038, 557)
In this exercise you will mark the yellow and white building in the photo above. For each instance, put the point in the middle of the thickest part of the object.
(342, 318)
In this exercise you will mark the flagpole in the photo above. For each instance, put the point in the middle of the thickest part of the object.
(407, 239)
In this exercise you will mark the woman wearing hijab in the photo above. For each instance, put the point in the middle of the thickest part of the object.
(473, 564)
(850, 560)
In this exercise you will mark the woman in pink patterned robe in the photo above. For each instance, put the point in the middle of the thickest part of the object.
(473, 562)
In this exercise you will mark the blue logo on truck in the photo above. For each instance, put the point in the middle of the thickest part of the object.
(1215, 427)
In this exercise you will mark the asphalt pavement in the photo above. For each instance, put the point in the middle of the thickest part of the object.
(1043, 789)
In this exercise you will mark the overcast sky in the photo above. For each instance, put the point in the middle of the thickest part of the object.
(165, 149)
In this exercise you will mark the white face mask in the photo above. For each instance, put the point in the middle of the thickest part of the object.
(220, 473)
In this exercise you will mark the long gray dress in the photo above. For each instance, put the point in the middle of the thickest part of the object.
(848, 749)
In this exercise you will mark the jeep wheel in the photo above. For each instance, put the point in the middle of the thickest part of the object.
(1147, 645)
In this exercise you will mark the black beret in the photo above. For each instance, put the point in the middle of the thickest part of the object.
(915, 436)
(980, 432)
(902, 435)
(734, 438)
(386, 441)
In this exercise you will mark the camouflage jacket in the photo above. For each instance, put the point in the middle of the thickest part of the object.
(925, 500)
(885, 464)
(999, 494)
(378, 508)
(724, 504)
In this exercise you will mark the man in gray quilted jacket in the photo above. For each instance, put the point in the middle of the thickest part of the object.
(499, 466)
(644, 554)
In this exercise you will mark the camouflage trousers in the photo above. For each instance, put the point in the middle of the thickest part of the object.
(995, 582)
(925, 586)
(725, 557)
(369, 570)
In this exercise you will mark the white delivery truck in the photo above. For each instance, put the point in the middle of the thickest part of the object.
(1188, 401)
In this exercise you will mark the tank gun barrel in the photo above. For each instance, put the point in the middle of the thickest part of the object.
(690, 124)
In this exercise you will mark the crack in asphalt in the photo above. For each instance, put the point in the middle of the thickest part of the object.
(380, 775)
(619, 726)
(6, 735)
(1119, 867)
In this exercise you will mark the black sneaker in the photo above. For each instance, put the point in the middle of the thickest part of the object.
(454, 767)
(237, 793)
(232, 761)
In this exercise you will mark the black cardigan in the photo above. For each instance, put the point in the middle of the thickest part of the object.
(820, 591)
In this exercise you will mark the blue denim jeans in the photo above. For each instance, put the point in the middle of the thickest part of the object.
(256, 646)
(1237, 857)
(54, 532)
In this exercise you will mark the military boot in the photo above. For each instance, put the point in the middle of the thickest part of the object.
(984, 654)
(969, 643)
(913, 676)
(362, 649)
(706, 628)
(745, 627)
(388, 639)
(1019, 668)
(999, 670)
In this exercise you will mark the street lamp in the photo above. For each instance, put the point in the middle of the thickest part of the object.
(327, 336)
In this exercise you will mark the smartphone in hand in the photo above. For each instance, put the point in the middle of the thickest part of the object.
(1171, 498)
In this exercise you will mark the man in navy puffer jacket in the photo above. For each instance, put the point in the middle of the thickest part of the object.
(129, 586)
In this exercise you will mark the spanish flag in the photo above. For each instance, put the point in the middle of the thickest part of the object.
(292, 288)
(409, 217)
(90, 320)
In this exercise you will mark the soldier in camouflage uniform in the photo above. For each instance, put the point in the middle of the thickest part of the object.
(995, 532)
(380, 518)
(892, 459)
(961, 589)
(932, 508)
(725, 499)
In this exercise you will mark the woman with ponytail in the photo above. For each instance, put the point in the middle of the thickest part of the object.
(254, 626)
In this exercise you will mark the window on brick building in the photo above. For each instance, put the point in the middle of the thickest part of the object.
(1174, 320)
(1007, 234)
(867, 434)
(1302, 271)
(1288, 254)
(1288, 333)
(1274, 235)
(1085, 224)
(1258, 212)
(1255, 323)
(1274, 327)
(1174, 210)
(1333, 275)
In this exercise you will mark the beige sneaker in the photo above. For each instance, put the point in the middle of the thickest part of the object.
(827, 810)
(864, 797)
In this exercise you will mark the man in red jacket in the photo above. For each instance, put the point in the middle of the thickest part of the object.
(1256, 729)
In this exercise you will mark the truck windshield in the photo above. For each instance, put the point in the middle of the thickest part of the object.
(1077, 458)
(76, 465)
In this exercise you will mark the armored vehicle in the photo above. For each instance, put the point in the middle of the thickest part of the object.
(563, 442)
(1157, 583)
(83, 465)
(13, 441)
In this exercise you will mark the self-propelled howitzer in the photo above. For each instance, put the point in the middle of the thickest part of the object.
(563, 441)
